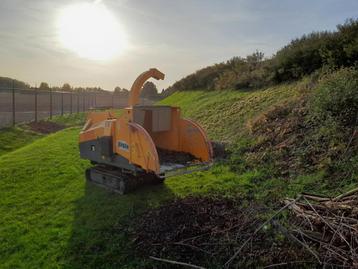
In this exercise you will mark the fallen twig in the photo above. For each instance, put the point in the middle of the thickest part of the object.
(351, 192)
(176, 262)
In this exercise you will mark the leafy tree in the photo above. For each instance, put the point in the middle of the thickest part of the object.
(66, 87)
(44, 86)
(121, 92)
(8, 83)
(149, 90)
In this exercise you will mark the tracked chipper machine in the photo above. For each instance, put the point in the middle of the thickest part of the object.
(145, 144)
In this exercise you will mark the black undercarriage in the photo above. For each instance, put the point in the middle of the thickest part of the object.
(119, 180)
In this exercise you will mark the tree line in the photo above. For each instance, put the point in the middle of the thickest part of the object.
(149, 90)
(302, 56)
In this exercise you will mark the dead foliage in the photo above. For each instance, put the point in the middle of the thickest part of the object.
(281, 131)
(328, 227)
(206, 231)
(290, 142)
(45, 127)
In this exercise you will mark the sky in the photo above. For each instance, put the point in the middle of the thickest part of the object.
(177, 37)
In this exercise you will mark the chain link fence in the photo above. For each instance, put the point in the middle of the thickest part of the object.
(25, 105)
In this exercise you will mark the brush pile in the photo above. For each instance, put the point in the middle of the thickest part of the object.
(327, 227)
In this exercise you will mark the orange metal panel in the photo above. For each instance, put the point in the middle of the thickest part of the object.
(194, 140)
(100, 116)
(121, 136)
(169, 139)
(133, 142)
(97, 125)
(142, 148)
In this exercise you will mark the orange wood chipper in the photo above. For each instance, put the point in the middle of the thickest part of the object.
(145, 144)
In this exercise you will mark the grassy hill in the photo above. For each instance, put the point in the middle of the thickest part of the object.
(224, 113)
(301, 131)
(280, 145)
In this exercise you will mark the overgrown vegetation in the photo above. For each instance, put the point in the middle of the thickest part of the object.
(302, 57)
(303, 133)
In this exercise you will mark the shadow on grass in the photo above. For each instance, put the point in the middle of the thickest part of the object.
(101, 226)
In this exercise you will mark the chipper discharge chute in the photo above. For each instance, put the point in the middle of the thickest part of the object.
(143, 145)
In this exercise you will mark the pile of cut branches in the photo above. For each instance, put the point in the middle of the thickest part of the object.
(327, 227)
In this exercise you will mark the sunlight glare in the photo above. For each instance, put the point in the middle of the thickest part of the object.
(91, 31)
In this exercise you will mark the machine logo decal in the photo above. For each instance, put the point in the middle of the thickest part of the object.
(123, 145)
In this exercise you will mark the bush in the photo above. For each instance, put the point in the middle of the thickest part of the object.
(311, 52)
(336, 98)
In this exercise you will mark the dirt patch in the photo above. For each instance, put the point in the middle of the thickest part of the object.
(207, 231)
(45, 127)
(169, 156)
(219, 149)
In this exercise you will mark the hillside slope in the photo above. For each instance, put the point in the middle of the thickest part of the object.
(305, 131)
(224, 113)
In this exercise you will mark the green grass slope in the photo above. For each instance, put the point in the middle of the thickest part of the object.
(51, 218)
(224, 113)
(16, 137)
(13, 138)
(302, 134)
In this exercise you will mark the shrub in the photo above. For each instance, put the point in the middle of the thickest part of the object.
(336, 98)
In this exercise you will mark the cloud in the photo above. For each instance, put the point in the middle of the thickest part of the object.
(177, 36)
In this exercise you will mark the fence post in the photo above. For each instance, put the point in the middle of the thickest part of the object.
(71, 102)
(50, 103)
(13, 103)
(35, 104)
(78, 101)
(113, 100)
(83, 102)
(61, 103)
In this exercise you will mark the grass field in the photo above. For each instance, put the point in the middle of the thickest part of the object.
(51, 218)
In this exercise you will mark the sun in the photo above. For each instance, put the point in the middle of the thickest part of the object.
(91, 31)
